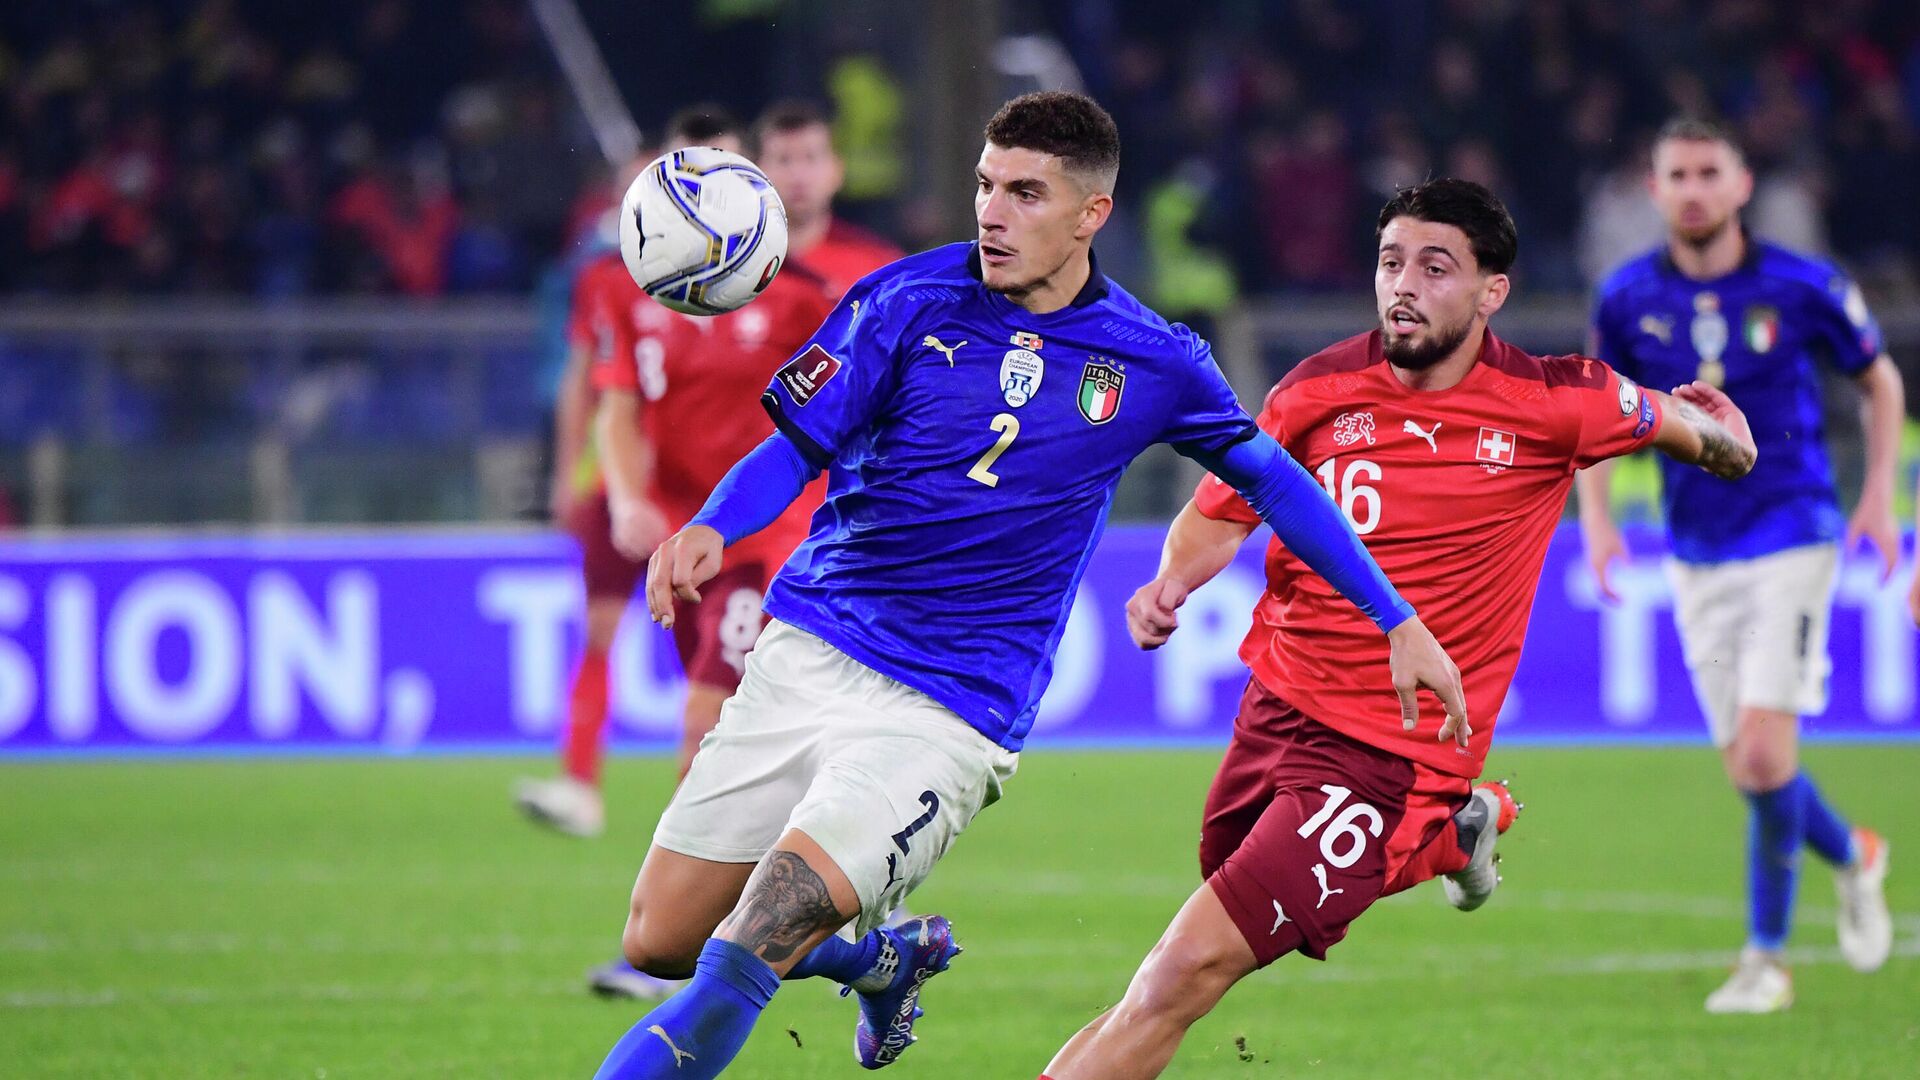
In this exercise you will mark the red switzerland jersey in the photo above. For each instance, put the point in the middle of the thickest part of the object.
(846, 254)
(1456, 493)
(601, 290)
(699, 380)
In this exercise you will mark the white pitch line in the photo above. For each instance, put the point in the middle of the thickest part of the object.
(1511, 962)
(309, 993)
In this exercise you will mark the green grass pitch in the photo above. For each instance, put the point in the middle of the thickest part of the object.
(393, 918)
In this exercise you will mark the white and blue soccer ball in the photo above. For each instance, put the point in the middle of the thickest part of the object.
(702, 230)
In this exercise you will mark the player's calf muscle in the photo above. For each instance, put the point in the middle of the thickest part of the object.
(786, 903)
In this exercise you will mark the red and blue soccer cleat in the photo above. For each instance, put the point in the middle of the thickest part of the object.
(919, 949)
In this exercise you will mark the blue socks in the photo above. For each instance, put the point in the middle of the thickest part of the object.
(838, 959)
(1776, 824)
(1828, 834)
(696, 1033)
(1780, 820)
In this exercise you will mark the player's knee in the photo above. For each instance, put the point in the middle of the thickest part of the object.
(662, 955)
(1181, 981)
(1758, 764)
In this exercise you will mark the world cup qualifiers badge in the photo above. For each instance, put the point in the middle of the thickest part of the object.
(1020, 372)
(1709, 334)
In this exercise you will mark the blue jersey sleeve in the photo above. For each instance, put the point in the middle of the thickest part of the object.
(1607, 339)
(840, 379)
(1304, 518)
(1838, 318)
(1208, 418)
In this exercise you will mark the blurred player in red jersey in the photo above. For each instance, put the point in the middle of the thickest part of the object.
(606, 303)
(637, 341)
(795, 150)
(677, 408)
(1452, 453)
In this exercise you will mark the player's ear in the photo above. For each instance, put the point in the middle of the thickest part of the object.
(1094, 212)
(836, 172)
(1495, 295)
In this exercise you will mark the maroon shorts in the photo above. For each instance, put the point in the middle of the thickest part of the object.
(609, 574)
(1306, 827)
(715, 635)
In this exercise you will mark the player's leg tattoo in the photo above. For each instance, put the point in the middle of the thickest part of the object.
(785, 903)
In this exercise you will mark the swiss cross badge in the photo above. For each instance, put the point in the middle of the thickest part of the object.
(1495, 446)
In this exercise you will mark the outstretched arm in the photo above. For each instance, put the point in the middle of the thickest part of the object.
(1197, 548)
(753, 493)
(1704, 427)
(1305, 519)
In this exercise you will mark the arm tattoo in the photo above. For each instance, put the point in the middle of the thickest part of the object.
(1719, 453)
(786, 902)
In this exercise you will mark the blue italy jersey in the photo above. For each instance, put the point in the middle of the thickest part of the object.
(973, 450)
(1755, 334)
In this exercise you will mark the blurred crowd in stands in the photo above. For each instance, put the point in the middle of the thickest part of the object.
(415, 148)
(356, 146)
(1280, 129)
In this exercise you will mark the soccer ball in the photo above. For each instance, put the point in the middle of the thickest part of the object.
(702, 230)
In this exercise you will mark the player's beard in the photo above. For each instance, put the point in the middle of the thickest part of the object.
(1437, 344)
(1703, 237)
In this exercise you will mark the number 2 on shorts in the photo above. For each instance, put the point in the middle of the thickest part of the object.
(932, 802)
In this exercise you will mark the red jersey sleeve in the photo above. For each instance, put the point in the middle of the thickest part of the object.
(614, 339)
(1612, 417)
(1215, 498)
(580, 315)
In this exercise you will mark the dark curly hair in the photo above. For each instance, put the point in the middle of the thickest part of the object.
(1467, 206)
(1071, 127)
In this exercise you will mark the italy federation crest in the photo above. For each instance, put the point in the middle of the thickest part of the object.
(1100, 386)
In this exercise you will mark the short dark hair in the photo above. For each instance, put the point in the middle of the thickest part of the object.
(785, 117)
(702, 123)
(1072, 127)
(1467, 206)
(1699, 129)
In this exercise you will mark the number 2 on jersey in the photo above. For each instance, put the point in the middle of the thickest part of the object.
(1008, 426)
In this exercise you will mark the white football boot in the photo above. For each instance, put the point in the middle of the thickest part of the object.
(1759, 984)
(1488, 814)
(564, 804)
(1866, 930)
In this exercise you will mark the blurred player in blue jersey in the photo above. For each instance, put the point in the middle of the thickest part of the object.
(1754, 562)
(976, 405)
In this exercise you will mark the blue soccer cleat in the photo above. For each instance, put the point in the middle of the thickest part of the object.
(918, 949)
(618, 979)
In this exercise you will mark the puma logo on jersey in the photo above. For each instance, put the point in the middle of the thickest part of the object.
(934, 343)
(1279, 917)
(1320, 875)
(678, 1053)
(1412, 428)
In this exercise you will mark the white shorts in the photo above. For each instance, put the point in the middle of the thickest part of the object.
(1755, 632)
(880, 775)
